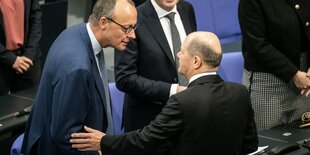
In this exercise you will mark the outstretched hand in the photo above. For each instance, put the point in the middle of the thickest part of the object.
(89, 141)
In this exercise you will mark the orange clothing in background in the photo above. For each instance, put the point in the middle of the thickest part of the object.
(13, 19)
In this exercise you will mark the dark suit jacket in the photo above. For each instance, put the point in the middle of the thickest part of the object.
(147, 69)
(210, 117)
(33, 31)
(274, 35)
(70, 95)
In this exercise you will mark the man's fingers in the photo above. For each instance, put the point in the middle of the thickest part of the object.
(81, 141)
(307, 93)
(25, 65)
(19, 70)
(88, 129)
(24, 68)
(27, 60)
(302, 91)
(80, 146)
(80, 135)
(87, 149)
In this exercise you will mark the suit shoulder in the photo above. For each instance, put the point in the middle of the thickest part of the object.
(186, 3)
(236, 85)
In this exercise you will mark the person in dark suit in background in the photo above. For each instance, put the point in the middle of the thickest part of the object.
(209, 117)
(72, 91)
(276, 50)
(138, 2)
(147, 71)
(20, 34)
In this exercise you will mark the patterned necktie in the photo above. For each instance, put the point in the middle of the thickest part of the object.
(104, 78)
(176, 41)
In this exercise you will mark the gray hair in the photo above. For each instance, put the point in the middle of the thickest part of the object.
(104, 8)
(199, 47)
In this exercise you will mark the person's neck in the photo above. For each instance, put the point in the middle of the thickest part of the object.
(97, 31)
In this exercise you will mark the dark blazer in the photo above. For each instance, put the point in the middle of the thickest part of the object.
(209, 117)
(275, 32)
(147, 69)
(33, 32)
(70, 95)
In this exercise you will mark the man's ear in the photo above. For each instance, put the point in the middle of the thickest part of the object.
(197, 62)
(103, 23)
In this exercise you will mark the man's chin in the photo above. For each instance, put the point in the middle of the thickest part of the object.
(120, 48)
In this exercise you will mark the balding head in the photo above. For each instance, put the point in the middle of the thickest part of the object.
(200, 52)
(113, 23)
(207, 45)
(107, 8)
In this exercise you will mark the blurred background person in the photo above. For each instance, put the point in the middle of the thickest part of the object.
(138, 2)
(276, 46)
(147, 71)
(20, 33)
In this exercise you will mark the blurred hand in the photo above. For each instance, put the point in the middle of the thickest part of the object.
(308, 73)
(180, 88)
(89, 141)
(301, 80)
(305, 92)
(22, 64)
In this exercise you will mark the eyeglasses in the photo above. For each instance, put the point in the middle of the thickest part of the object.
(127, 30)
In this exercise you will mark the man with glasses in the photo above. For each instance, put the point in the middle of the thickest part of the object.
(73, 90)
(147, 71)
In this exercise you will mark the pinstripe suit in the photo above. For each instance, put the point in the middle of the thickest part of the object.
(275, 46)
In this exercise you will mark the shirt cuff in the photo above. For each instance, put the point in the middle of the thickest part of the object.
(173, 89)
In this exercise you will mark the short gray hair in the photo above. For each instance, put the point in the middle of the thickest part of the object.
(199, 47)
(104, 8)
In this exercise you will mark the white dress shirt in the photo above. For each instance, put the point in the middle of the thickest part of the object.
(165, 24)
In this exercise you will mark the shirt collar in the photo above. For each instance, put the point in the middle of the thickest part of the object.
(160, 11)
(200, 75)
(94, 42)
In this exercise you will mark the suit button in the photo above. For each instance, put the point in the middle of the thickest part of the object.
(297, 6)
(307, 24)
(175, 79)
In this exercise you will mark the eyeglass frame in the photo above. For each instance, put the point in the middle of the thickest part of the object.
(125, 29)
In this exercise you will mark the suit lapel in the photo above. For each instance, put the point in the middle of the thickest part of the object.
(94, 67)
(154, 26)
(184, 18)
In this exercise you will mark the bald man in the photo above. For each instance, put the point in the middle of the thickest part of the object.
(209, 117)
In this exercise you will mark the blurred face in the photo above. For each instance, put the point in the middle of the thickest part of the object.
(167, 4)
(185, 61)
(121, 26)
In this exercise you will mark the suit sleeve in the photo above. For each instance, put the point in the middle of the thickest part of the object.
(253, 27)
(71, 102)
(129, 81)
(250, 140)
(32, 44)
(166, 125)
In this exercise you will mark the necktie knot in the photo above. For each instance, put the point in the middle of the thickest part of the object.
(170, 16)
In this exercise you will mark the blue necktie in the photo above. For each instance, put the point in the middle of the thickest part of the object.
(176, 41)
(104, 78)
